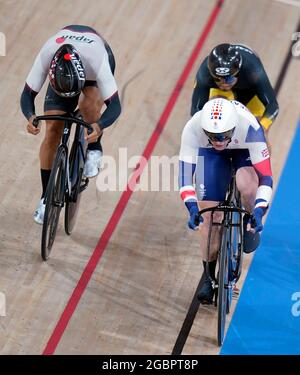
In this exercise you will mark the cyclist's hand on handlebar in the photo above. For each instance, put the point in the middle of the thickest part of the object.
(256, 224)
(31, 128)
(195, 219)
(91, 138)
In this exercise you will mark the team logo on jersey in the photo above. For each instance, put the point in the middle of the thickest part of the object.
(265, 153)
(238, 104)
(81, 39)
(201, 191)
(222, 71)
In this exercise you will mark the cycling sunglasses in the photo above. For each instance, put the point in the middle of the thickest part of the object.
(227, 80)
(219, 137)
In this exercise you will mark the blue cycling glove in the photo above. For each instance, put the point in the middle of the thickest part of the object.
(195, 219)
(258, 214)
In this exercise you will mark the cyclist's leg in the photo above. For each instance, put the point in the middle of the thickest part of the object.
(206, 292)
(51, 140)
(53, 105)
(215, 234)
(247, 184)
(246, 177)
(213, 175)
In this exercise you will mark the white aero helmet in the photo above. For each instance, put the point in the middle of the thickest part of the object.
(218, 119)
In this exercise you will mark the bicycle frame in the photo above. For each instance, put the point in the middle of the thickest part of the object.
(69, 119)
(228, 207)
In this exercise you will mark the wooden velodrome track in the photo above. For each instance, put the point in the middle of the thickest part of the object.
(141, 289)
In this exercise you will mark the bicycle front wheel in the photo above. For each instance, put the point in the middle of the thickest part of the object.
(78, 184)
(72, 204)
(223, 285)
(54, 198)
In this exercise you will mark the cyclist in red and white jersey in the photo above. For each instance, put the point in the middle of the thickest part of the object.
(80, 66)
(222, 136)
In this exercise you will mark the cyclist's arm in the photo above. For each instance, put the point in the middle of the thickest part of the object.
(201, 88)
(187, 165)
(109, 92)
(27, 101)
(267, 96)
(33, 85)
(112, 112)
(259, 155)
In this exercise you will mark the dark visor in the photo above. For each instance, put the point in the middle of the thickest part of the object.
(219, 137)
(228, 80)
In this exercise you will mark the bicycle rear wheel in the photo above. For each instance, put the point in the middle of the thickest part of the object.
(223, 285)
(54, 202)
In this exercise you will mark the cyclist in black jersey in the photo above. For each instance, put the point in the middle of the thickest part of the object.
(234, 71)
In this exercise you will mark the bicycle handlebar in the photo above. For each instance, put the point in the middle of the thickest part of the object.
(224, 208)
(77, 120)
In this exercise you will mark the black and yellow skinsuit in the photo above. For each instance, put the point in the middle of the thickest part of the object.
(253, 88)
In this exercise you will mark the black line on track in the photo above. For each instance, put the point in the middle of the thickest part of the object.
(188, 323)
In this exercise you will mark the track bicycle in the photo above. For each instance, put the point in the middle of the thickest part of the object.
(230, 254)
(66, 181)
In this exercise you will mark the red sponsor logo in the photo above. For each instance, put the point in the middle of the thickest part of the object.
(60, 40)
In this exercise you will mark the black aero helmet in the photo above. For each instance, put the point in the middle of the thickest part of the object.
(224, 60)
(66, 73)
